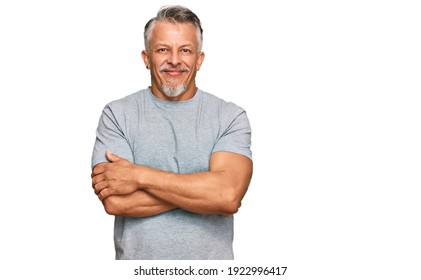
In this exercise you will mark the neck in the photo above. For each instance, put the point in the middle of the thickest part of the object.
(186, 95)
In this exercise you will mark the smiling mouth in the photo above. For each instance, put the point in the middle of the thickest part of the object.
(175, 71)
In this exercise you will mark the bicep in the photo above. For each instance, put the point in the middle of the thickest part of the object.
(110, 135)
(236, 137)
(236, 168)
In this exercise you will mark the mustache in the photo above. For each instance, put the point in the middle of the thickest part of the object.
(171, 68)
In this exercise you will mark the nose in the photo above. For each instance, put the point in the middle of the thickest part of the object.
(174, 58)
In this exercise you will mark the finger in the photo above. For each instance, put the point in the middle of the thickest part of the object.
(99, 168)
(98, 179)
(100, 186)
(111, 157)
(104, 194)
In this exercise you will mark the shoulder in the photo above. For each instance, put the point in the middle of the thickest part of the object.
(127, 107)
(128, 102)
(224, 108)
(123, 109)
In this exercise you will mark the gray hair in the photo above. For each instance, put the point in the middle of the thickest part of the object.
(174, 14)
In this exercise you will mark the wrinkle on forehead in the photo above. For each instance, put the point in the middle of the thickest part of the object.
(170, 33)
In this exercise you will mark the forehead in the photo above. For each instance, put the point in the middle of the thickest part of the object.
(169, 32)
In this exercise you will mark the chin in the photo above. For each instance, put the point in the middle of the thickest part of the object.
(174, 91)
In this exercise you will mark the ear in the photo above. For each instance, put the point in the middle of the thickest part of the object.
(146, 60)
(200, 59)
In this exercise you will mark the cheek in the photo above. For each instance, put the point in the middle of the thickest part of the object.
(157, 61)
(156, 66)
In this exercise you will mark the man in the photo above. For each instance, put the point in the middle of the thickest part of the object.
(171, 162)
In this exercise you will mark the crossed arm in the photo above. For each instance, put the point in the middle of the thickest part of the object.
(135, 190)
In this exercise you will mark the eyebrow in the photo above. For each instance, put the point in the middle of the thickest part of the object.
(167, 45)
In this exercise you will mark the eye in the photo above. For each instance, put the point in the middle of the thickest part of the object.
(162, 50)
(185, 50)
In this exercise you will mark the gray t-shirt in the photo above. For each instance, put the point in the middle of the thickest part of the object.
(178, 137)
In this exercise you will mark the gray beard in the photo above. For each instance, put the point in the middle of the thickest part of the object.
(172, 92)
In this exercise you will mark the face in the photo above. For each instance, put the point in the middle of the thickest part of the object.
(173, 60)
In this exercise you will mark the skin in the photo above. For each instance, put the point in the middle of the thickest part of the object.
(135, 190)
(139, 191)
(173, 45)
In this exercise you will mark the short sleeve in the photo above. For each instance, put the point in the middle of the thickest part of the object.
(110, 135)
(236, 138)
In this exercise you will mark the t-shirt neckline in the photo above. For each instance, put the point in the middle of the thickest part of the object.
(173, 103)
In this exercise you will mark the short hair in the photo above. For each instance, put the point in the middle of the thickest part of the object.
(174, 14)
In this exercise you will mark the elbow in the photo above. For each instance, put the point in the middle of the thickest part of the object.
(111, 206)
(111, 211)
(231, 209)
(231, 204)
(233, 195)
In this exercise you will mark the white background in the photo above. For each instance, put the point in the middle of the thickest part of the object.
(332, 92)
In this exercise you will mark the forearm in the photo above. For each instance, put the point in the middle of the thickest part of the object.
(136, 204)
(205, 192)
(217, 191)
